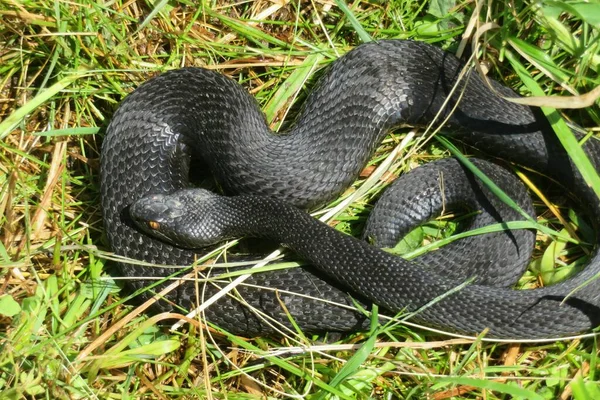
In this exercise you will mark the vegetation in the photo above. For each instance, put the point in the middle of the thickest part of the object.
(67, 331)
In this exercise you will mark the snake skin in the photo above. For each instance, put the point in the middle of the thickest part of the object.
(197, 113)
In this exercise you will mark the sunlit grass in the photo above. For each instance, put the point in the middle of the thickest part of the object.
(64, 68)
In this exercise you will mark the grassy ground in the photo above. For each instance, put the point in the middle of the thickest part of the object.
(64, 67)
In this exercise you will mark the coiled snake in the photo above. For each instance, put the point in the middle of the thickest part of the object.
(377, 86)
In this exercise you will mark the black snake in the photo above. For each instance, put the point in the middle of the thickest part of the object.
(377, 86)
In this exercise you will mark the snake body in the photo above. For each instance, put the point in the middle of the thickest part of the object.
(194, 112)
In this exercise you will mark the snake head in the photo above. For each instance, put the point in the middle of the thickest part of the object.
(187, 218)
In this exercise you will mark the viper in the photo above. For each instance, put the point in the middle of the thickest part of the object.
(152, 212)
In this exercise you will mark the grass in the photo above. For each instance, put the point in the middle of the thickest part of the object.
(65, 66)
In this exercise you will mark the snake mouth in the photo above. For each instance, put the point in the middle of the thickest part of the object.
(150, 214)
(158, 208)
(149, 209)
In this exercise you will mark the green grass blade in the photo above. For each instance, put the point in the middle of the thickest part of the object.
(15, 118)
(256, 35)
(497, 191)
(288, 366)
(509, 225)
(69, 132)
(487, 181)
(541, 60)
(515, 391)
(155, 11)
(562, 130)
(588, 12)
(355, 362)
(362, 33)
(292, 85)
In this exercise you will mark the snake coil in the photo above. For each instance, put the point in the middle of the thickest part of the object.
(377, 86)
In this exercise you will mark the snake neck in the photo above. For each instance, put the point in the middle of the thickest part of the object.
(353, 262)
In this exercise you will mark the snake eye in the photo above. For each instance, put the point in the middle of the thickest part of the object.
(153, 225)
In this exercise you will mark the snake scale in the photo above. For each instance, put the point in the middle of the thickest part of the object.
(200, 114)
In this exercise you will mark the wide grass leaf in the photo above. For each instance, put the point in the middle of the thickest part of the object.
(562, 130)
